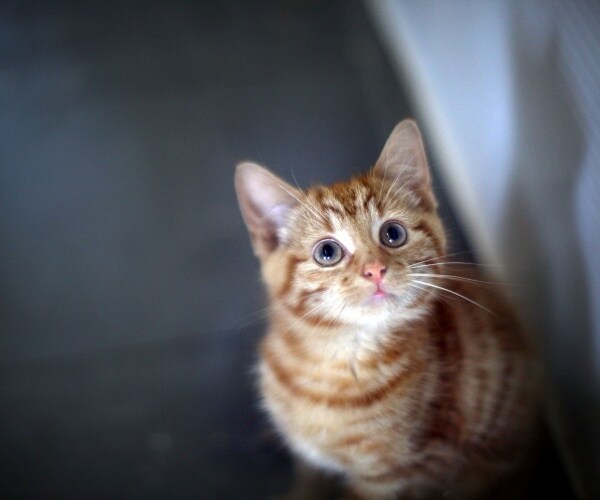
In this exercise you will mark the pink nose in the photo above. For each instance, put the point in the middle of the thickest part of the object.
(374, 271)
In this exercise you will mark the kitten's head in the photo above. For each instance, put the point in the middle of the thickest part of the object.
(342, 254)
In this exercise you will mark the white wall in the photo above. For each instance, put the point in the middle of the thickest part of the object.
(508, 94)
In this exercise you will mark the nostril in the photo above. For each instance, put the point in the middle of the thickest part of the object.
(374, 271)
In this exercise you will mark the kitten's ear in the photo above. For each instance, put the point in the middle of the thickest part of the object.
(265, 201)
(404, 163)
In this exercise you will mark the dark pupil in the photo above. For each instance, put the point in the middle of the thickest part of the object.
(327, 251)
(392, 233)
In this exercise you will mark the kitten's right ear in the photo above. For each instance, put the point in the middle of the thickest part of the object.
(265, 201)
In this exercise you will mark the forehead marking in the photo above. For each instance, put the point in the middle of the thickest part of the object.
(344, 238)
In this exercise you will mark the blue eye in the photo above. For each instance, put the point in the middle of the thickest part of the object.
(392, 234)
(328, 253)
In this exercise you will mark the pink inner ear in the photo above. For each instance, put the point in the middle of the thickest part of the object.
(279, 215)
(265, 201)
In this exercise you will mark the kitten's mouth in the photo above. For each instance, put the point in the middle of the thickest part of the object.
(379, 295)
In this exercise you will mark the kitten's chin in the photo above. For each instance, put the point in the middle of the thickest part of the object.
(380, 299)
(384, 296)
(381, 306)
(384, 312)
(374, 309)
(389, 305)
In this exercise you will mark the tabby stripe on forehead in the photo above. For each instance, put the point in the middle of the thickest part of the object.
(324, 205)
(447, 420)
(351, 208)
(355, 202)
(368, 199)
(330, 208)
(287, 379)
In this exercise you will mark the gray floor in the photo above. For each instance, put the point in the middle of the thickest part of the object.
(130, 305)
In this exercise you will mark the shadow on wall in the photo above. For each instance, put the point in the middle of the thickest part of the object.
(540, 241)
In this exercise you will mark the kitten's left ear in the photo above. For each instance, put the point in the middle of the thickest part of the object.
(403, 162)
(265, 201)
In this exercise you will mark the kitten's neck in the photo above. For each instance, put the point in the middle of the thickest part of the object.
(354, 341)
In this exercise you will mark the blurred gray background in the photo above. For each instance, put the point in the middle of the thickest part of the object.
(130, 301)
(121, 127)
(130, 304)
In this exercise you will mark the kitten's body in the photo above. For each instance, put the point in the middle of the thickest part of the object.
(370, 368)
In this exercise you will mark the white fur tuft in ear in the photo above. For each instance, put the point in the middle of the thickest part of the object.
(265, 201)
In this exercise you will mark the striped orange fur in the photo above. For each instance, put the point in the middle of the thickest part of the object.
(385, 363)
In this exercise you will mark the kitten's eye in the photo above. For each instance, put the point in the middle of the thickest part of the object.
(392, 234)
(328, 253)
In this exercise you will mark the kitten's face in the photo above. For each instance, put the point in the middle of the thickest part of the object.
(346, 252)
(343, 253)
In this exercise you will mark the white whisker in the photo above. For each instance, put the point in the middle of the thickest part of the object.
(440, 257)
(459, 295)
(393, 184)
(306, 205)
(400, 173)
(456, 263)
(306, 314)
(251, 318)
(454, 277)
(308, 202)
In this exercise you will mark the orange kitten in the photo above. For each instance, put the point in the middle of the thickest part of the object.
(403, 373)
